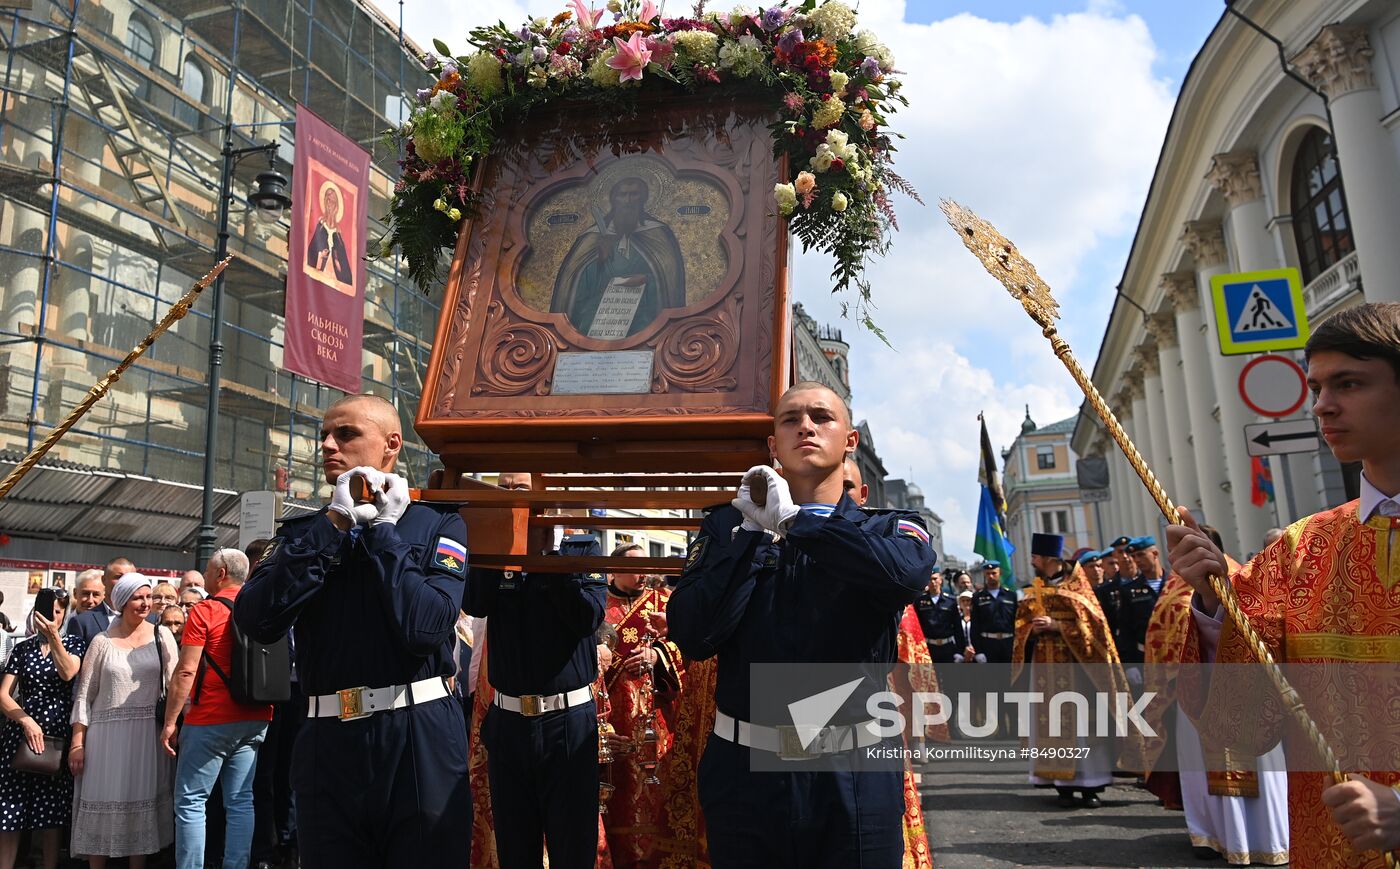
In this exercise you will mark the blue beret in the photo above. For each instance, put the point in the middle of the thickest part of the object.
(1138, 544)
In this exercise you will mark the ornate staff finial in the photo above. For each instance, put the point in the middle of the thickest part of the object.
(1004, 262)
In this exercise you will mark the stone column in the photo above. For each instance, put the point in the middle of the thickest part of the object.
(1142, 426)
(1339, 63)
(1236, 175)
(1159, 448)
(1185, 487)
(1202, 430)
(1206, 242)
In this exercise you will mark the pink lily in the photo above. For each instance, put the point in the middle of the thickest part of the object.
(649, 11)
(587, 18)
(632, 57)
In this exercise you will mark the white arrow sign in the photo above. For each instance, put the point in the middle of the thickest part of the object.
(1276, 438)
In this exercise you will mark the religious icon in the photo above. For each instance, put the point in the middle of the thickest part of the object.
(615, 249)
(36, 581)
(331, 236)
(619, 274)
(60, 579)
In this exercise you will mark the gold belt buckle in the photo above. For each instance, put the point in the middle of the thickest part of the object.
(790, 744)
(352, 703)
(531, 705)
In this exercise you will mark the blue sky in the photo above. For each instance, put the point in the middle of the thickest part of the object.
(1046, 118)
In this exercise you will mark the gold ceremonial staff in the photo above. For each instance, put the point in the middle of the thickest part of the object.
(1001, 259)
(99, 389)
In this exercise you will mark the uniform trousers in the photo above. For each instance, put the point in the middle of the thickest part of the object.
(544, 786)
(390, 790)
(839, 819)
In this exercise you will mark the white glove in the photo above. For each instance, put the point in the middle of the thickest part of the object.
(391, 501)
(778, 510)
(1134, 675)
(745, 494)
(344, 504)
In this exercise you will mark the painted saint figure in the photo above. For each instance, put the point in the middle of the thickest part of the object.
(618, 276)
(326, 253)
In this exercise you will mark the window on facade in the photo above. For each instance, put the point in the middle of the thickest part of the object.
(192, 82)
(658, 550)
(1054, 521)
(1045, 458)
(140, 44)
(1320, 223)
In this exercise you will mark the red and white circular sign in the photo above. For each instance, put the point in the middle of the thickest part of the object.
(1273, 385)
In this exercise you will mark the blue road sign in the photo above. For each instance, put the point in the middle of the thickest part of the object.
(1258, 312)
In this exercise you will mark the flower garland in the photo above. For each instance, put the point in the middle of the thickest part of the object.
(835, 86)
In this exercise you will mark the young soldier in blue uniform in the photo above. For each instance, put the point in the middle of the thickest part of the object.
(942, 623)
(1110, 591)
(993, 617)
(1137, 598)
(783, 583)
(541, 733)
(373, 590)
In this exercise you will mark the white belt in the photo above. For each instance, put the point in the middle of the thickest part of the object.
(348, 704)
(531, 705)
(943, 642)
(998, 636)
(785, 742)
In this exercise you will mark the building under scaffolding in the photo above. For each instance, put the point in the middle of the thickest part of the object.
(112, 117)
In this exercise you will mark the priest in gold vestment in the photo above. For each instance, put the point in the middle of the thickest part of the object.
(1059, 629)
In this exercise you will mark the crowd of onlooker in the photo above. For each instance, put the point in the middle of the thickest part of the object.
(124, 738)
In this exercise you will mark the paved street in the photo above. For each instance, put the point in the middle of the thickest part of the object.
(980, 818)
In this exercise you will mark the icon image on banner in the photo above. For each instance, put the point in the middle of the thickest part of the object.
(1257, 312)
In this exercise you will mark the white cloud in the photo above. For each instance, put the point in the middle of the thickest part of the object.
(1049, 128)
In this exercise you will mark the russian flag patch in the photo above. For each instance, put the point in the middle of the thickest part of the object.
(450, 555)
(911, 529)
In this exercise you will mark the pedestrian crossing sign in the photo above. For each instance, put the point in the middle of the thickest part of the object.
(1259, 312)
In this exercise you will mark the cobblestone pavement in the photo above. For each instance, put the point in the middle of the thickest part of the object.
(981, 818)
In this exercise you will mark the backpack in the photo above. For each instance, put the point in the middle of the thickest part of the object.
(261, 672)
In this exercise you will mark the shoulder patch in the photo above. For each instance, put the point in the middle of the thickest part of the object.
(696, 550)
(450, 556)
(910, 528)
(273, 547)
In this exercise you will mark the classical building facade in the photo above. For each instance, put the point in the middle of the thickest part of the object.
(1262, 167)
(1042, 492)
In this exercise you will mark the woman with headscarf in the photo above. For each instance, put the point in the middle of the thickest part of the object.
(122, 805)
(36, 696)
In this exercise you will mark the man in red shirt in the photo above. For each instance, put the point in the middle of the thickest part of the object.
(219, 734)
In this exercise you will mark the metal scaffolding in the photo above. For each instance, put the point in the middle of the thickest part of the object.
(112, 117)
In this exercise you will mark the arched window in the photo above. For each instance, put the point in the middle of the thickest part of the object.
(1320, 223)
(192, 82)
(140, 44)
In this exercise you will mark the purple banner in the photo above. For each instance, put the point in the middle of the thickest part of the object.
(326, 255)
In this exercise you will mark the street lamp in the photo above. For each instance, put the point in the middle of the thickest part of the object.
(268, 202)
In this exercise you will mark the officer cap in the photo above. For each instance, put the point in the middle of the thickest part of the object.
(1121, 541)
(1091, 556)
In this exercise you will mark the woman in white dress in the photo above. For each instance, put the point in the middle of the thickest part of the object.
(123, 781)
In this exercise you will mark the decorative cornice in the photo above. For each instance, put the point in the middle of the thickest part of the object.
(1236, 175)
(1163, 329)
(1181, 290)
(1206, 242)
(1338, 60)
